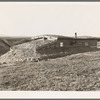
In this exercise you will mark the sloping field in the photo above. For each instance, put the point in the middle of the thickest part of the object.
(77, 72)
(16, 40)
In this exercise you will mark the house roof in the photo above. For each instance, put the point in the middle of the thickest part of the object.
(59, 36)
(78, 38)
(72, 38)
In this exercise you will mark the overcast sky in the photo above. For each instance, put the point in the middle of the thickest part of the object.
(31, 19)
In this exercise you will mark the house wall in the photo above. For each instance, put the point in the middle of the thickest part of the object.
(76, 43)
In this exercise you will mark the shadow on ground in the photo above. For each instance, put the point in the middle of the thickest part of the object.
(61, 52)
(3, 50)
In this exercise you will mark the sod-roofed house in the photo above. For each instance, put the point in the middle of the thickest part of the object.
(63, 43)
(77, 42)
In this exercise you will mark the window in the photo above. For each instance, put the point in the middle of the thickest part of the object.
(72, 42)
(86, 44)
(61, 44)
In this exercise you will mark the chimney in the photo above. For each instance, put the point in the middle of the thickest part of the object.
(75, 35)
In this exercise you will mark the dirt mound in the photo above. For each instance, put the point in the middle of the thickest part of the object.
(19, 52)
(23, 51)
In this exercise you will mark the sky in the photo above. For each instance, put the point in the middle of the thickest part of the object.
(38, 18)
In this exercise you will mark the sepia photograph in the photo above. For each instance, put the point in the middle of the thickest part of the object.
(49, 46)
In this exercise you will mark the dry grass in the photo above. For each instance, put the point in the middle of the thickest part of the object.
(77, 72)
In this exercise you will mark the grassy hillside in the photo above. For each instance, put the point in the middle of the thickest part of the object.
(16, 40)
(79, 72)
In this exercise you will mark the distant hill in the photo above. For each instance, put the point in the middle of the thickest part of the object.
(16, 40)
